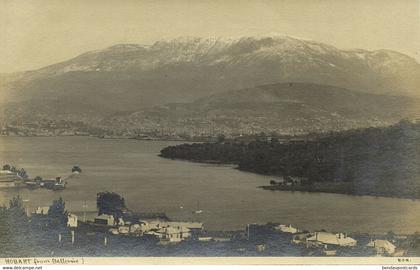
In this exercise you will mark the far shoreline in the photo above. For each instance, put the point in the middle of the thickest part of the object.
(105, 138)
(303, 189)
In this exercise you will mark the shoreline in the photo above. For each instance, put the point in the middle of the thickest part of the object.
(104, 138)
(311, 189)
(327, 187)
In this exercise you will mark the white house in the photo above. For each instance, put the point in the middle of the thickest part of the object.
(158, 224)
(165, 232)
(325, 238)
(42, 210)
(382, 246)
(72, 221)
(286, 228)
(174, 234)
(124, 230)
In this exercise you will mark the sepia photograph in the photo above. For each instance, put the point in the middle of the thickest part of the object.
(210, 131)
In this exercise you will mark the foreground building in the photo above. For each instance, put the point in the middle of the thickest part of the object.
(382, 247)
(325, 238)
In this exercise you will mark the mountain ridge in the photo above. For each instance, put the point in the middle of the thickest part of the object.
(127, 78)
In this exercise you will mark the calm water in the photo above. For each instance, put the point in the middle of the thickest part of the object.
(229, 198)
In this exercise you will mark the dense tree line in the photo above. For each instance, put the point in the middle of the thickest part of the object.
(22, 235)
(383, 161)
(110, 203)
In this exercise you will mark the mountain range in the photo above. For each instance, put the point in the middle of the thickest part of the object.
(114, 86)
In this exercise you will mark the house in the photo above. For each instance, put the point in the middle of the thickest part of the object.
(42, 210)
(286, 228)
(260, 248)
(174, 234)
(72, 221)
(124, 230)
(325, 238)
(383, 247)
(107, 220)
(158, 224)
(168, 232)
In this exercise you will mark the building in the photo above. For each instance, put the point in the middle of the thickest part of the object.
(325, 238)
(107, 220)
(7, 178)
(382, 247)
(72, 221)
(124, 230)
(173, 234)
(7, 175)
(42, 210)
(166, 231)
(158, 224)
(286, 228)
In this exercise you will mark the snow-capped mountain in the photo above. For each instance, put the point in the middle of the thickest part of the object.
(130, 77)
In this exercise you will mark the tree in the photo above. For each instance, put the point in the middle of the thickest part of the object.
(110, 203)
(16, 211)
(14, 217)
(390, 235)
(58, 208)
(57, 214)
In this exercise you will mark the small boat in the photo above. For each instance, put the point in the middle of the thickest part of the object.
(76, 169)
(59, 184)
(198, 211)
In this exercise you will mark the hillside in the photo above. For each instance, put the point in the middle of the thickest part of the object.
(375, 161)
(291, 108)
(127, 78)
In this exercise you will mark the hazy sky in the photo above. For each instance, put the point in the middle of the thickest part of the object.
(35, 33)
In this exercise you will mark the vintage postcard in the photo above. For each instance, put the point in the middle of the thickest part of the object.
(208, 132)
